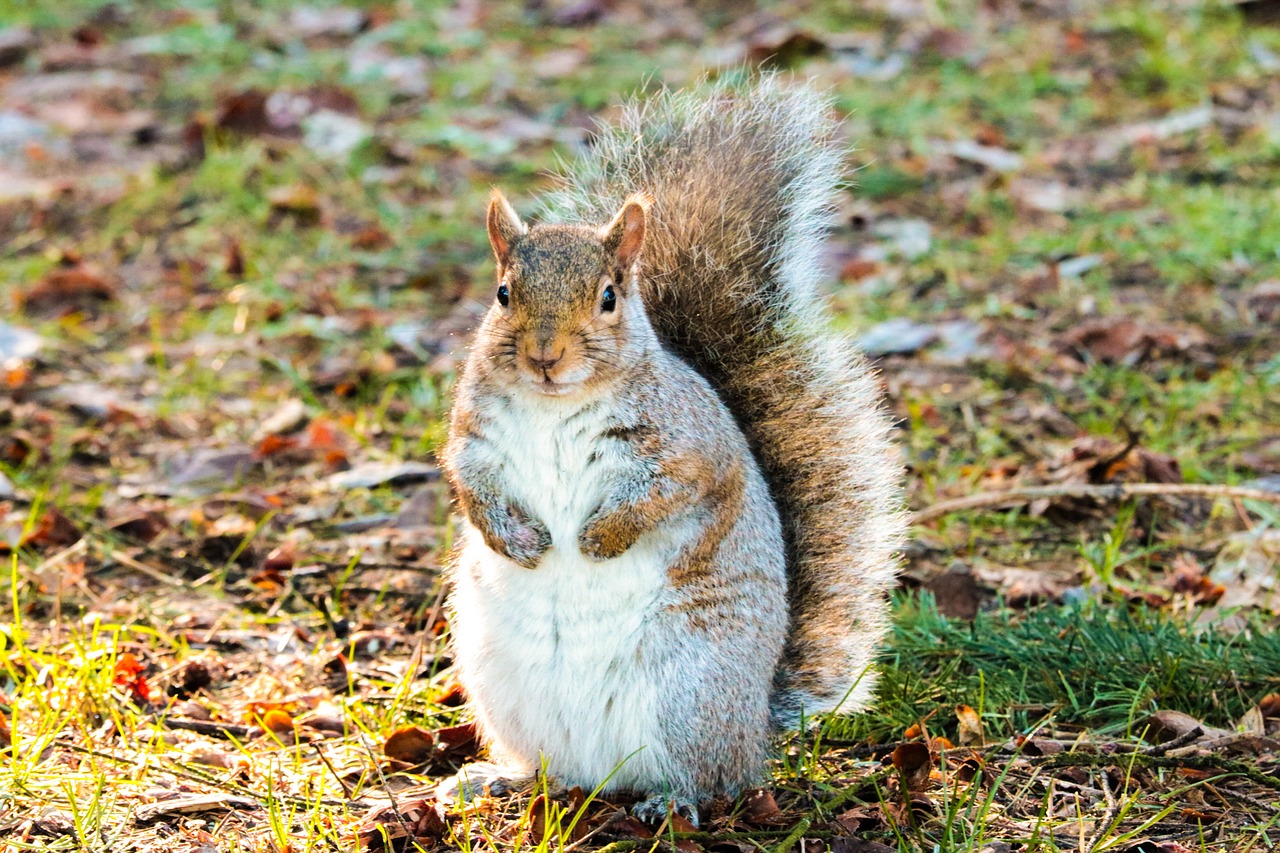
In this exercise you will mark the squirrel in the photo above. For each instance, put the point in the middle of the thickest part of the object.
(681, 503)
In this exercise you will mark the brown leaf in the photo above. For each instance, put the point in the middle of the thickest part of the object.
(411, 745)
(776, 41)
(1124, 340)
(459, 742)
(68, 290)
(624, 825)
(1191, 579)
(578, 13)
(452, 696)
(970, 726)
(299, 201)
(957, 592)
(914, 762)
(278, 721)
(281, 560)
(861, 819)
(422, 819)
(1270, 706)
(145, 526)
(371, 239)
(679, 823)
(539, 820)
(54, 530)
(1166, 725)
(233, 260)
(760, 809)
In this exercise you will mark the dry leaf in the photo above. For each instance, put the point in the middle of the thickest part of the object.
(970, 726)
(914, 762)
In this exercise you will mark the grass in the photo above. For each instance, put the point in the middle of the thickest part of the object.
(354, 296)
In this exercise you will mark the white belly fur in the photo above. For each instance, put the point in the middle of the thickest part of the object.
(550, 655)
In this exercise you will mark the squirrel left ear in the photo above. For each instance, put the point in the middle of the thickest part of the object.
(504, 226)
(624, 236)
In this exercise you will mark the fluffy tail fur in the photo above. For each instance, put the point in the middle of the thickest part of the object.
(742, 181)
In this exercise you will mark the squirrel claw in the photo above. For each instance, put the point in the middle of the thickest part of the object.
(478, 779)
(655, 809)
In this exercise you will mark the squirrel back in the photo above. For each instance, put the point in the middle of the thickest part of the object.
(742, 181)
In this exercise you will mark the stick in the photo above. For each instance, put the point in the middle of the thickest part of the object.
(1195, 762)
(1114, 492)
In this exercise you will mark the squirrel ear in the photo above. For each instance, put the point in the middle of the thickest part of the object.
(505, 227)
(624, 236)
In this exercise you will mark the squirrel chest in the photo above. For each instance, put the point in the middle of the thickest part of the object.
(561, 655)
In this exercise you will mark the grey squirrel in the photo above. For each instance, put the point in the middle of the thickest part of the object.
(681, 502)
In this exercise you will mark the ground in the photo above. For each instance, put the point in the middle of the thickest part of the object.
(241, 245)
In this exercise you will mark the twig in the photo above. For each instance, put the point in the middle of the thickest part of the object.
(346, 789)
(138, 566)
(1112, 492)
(395, 807)
(1194, 762)
(797, 832)
(1108, 817)
(206, 727)
(1190, 736)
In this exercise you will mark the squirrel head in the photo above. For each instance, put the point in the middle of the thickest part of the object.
(567, 314)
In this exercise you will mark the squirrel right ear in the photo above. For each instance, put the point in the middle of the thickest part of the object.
(505, 227)
(624, 236)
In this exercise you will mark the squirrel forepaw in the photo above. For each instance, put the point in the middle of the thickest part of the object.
(518, 537)
(600, 540)
(655, 809)
(526, 545)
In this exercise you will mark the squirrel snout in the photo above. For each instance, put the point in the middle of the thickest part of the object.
(545, 362)
(543, 357)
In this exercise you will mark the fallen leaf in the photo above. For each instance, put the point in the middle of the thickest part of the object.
(760, 809)
(377, 474)
(313, 22)
(578, 13)
(129, 675)
(68, 290)
(299, 201)
(914, 762)
(1248, 567)
(192, 805)
(1166, 725)
(410, 745)
(1124, 340)
(957, 591)
(970, 731)
(278, 721)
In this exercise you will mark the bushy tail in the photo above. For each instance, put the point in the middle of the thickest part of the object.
(742, 180)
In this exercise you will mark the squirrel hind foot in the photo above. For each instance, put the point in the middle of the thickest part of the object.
(655, 809)
(481, 779)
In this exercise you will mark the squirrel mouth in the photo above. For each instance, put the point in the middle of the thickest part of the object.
(552, 388)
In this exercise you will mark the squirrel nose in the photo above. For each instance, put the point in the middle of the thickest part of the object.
(545, 362)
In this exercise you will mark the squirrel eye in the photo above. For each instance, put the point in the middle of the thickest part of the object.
(503, 295)
(609, 301)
